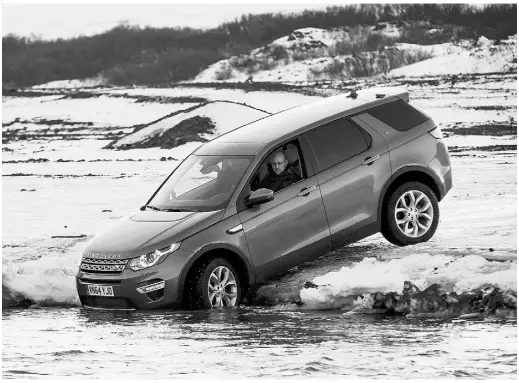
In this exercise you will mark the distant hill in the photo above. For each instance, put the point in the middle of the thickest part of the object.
(129, 55)
(313, 54)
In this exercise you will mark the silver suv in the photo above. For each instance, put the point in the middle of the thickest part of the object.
(270, 195)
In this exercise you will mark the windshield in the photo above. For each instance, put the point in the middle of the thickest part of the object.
(201, 183)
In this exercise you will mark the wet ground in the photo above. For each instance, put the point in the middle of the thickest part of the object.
(251, 342)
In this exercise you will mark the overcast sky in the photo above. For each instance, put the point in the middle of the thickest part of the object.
(50, 21)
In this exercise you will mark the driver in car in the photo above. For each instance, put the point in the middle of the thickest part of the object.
(280, 177)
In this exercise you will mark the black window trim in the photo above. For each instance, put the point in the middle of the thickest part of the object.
(362, 130)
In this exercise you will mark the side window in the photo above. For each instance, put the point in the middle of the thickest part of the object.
(399, 115)
(265, 176)
(281, 168)
(337, 141)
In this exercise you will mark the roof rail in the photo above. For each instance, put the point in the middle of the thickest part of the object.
(378, 93)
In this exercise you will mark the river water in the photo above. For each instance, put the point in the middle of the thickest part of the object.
(251, 342)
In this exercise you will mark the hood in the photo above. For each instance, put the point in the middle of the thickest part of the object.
(149, 230)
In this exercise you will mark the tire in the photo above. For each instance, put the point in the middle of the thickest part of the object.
(405, 222)
(211, 273)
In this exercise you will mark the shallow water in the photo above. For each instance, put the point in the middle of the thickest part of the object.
(251, 342)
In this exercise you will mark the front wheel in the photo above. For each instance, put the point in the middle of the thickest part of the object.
(411, 215)
(214, 283)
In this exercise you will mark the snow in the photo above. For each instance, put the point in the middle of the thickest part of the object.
(272, 102)
(76, 83)
(486, 58)
(448, 58)
(304, 36)
(45, 280)
(458, 275)
(101, 110)
(225, 116)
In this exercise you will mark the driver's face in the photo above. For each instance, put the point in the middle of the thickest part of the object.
(279, 163)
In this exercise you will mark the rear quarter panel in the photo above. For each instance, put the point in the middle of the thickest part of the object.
(410, 148)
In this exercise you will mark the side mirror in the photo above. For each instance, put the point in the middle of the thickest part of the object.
(259, 196)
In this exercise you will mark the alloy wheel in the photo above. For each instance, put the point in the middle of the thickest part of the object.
(222, 287)
(414, 213)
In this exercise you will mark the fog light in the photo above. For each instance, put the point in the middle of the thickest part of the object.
(152, 287)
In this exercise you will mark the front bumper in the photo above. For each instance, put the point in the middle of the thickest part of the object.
(125, 285)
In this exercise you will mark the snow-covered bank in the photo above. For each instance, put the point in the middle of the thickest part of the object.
(439, 285)
(46, 281)
(222, 117)
(457, 275)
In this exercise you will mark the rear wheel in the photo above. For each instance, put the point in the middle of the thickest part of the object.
(411, 215)
(214, 283)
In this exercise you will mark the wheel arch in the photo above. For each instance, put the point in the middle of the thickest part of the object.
(408, 174)
(230, 253)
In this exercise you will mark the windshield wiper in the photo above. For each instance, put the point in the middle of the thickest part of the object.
(177, 210)
(167, 210)
(151, 207)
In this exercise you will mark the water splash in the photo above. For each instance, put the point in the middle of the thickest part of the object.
(47, 281)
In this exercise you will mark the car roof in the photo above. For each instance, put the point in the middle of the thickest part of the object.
(249, 138)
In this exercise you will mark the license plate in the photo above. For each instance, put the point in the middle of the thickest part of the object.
(103, 291)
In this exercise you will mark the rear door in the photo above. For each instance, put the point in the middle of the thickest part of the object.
(352, 167)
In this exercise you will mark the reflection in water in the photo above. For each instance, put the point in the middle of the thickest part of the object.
(251, 342)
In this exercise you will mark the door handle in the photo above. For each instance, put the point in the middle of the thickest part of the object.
(306, 191)
(369, 160)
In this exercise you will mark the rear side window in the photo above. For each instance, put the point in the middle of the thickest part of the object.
(337, 141)
(399, 115)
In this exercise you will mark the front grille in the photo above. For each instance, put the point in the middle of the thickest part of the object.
(107, 303)
(105, 261)
(103, 266)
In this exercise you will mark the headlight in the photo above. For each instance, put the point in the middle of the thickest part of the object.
(153, 258)
(80, 258)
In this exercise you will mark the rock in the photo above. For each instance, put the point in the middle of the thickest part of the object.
(106, 211)
(510, 299)
(163, 158)
(471, 316)
(11, 298)
(506, 313)
(410, 288)
(310, 285)
(491, 249)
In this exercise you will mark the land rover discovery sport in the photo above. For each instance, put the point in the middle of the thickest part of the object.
(362, 163)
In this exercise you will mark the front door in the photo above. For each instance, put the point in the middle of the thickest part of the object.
(287, 231)
(292, 228)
